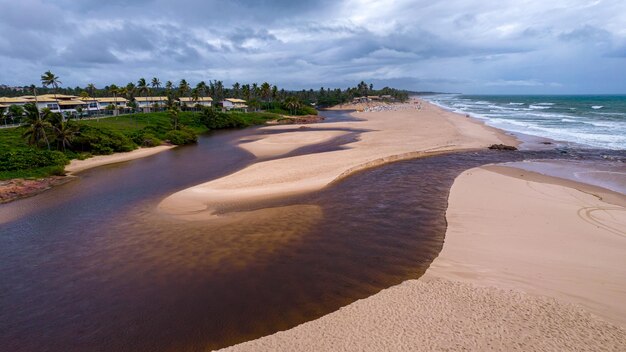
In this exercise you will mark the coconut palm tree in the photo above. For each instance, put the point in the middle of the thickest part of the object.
(142, 87)
(156, 84)
(266, 91)
(183, 87)
(236, 90)
(36, 125)
(293, 104)
(64, 132)
(50, 79)
(245, 91)
(201, 87)
(15, 111)
(174, 117)
(113, 89)
(91, 89)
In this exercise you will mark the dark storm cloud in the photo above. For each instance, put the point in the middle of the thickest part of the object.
(454, 45)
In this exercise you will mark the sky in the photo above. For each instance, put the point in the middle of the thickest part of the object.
(468, 46)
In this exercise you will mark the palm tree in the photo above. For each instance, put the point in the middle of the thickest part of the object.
(142, 87)
(183, 87)
(15, 111)
(236, 90)
(293, 104)
(255, 90)
(156, 84)
(173, 113)
(169, 85)
(245, 91)
(49, 79)
(64, 132)
(201, 87)
(195, 95)
(37, 125)
(91, 89)
(113, 89)
(266, 90)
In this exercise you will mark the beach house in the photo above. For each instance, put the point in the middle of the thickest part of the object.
(192, 102)
(234, 103)
(106, 103)
(57, 103)
(145, 103)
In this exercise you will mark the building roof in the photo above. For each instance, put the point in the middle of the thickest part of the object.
(105, 99)
(4, 106)
(186, 99)
(235, 100)
(143, 99)
(14, 100)
(52, 97)
(71, 102)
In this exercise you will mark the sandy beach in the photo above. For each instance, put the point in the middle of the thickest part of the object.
(100, 160)
(528, 264)
(390, 135)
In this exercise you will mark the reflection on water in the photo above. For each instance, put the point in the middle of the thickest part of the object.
(91, 266)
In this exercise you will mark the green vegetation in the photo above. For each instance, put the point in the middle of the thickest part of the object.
(46, 143)
(48, 140)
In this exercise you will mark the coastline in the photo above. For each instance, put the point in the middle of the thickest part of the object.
(404, 132)
(509, 277)
(19, 188)
(76, 165)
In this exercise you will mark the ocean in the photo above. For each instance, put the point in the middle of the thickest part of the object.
(597, 121)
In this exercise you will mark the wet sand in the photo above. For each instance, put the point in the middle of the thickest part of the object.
(529, 262)
(388, 136)
(100, 160)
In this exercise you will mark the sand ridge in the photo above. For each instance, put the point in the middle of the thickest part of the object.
(388, 136)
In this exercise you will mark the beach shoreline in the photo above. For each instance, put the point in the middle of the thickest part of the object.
(508, 276)
(76, 166)
(402, 133)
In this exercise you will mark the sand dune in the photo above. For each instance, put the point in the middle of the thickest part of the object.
(391, 135)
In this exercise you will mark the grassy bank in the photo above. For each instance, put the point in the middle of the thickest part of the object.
(111, 135)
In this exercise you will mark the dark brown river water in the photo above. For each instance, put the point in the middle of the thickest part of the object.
(91, 266)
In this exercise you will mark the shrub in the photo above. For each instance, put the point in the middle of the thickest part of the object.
(101, 141)
(180, 137)
(24, 159)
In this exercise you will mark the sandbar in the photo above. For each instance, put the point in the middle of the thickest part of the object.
(100, 160)
(526, 265)
(391, 135)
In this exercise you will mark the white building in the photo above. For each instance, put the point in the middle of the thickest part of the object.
(233, 103)
(146, 103)
(99, 104)
(191, 102)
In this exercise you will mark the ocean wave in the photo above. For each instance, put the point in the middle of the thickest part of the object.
(517, 103)
(597, 107)
(537, 106)
(544, 104)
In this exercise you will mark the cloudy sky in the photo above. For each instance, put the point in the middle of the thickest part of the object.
(470, 46)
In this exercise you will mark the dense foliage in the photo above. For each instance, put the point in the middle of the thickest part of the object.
(23, 157)
(31, 158)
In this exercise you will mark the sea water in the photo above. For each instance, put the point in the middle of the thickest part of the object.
(592, 120)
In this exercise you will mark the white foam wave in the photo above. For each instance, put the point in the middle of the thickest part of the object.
(537, 106)
(517, 103)
(597, 107)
